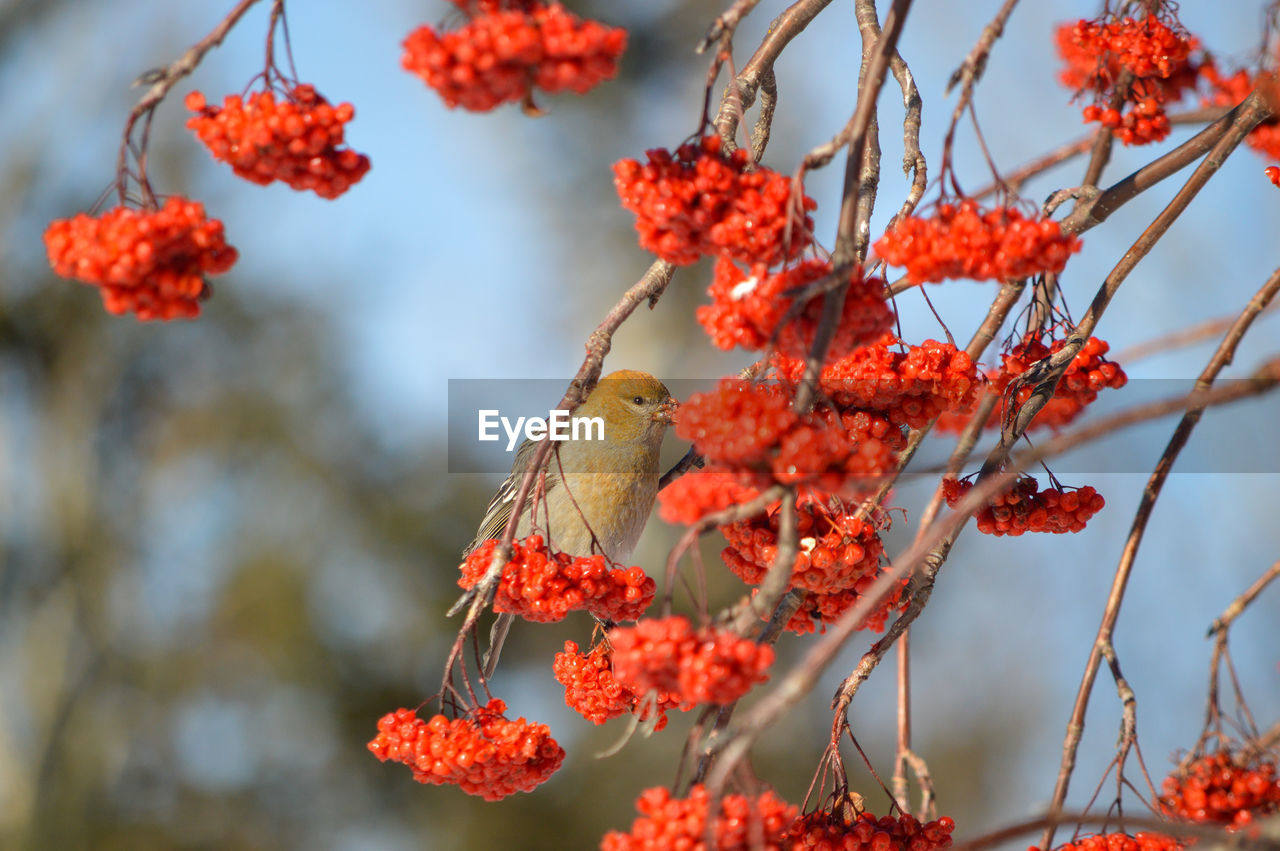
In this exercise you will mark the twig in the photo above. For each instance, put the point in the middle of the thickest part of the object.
(163, 80)
(1182, 337)
(1221, 357)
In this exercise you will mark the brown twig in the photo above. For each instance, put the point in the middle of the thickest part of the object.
(162, 81)
(1188, 336)
(1221, 357)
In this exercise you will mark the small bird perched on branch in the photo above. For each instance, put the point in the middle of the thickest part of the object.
(598, 493)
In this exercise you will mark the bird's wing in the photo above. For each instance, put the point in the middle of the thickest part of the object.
(498, 512)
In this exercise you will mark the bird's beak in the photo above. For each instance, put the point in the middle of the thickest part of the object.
(667, 413)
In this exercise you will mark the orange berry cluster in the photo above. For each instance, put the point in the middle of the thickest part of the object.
(1120, 842)
(1219, 787)
(831, 832)
(591, 689)
(484, 754)
(701, 492)
(1158, 57)
(837, 551)
(910, 388)
(1229, 91)
(837, 561)
(742, 823)
(1087, 373)
(1026, 508)
(753, 428)
(696, 666)
(150, 262)
(700, 202)
(501, 54)
(964, 241)
(544, 586)
(297, 140)
(747, 309)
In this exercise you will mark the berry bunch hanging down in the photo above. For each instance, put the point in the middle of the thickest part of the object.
(837, 561)
(1026, 508)
(1120, 842)
(741, 823)
(747, 308)
(753, 429)
(1223, 787)
(151, 262)
(1155, 56)
(833, 831)
(1229, 90)
(700, 202)
(694, 666)
(543, 586)
(484, 754)
(297, 139)
(507, 49)
(908, 387)
(964, 241)
(591, 689)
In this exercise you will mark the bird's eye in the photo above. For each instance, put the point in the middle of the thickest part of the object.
(639, 400)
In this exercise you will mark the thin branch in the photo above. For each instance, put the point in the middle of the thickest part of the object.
(1223, 356)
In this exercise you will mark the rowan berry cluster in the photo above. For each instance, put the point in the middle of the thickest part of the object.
(837, 551)
(667, 822)
(865, 832)
(505, 50)
(1120, 842)
(701, 492)
(1156, 57)
(696, 666)
(591, 689)
(837, 561)
(543, 586)
(1231, 90)
(484, 754)
(752, 428)
(965, 241)
(1026, 508)
(1223, 788)
(910, 388)
(747, 309)
(150, 262)
(296, 141)
(700, 202)
(1088, 372)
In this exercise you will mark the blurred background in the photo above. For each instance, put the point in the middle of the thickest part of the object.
(226, 546)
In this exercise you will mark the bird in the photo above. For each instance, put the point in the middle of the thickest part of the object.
(599, 489)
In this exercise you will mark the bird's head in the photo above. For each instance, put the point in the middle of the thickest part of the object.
(635, 406)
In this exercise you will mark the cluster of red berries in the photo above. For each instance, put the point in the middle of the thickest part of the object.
(837, 561)
(701, 492)
(697, 666)
(837, 551)
(667, 822)
(1026, 508)
(150, 262)
(700, 202)
(297, 140)
(865, 832)
(591, 689)
(910, 388)
(752, 428)
(1088, 372)
(1120, 842)
(1156, 55)
(747, 308)
(1229, 91)
(484, 754)
(543, 586)
(1220, 787)
(964, 241)
(501, 54)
